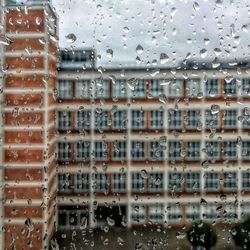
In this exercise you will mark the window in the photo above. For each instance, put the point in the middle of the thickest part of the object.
(210, 212)
(138, 183)
(100, 183)
(212, 88)
(156, 119)
(65, 183)
(175, 88)
(138, 214)
(101, 151)
(64, 120)
(119, 119)
(83, 151)
(65, 90)
(64, 151)
(174, 213)
(245, 153)
(83, 119)
(156, 181)
(193, 182)
(194, 117)
(140, 89)
(211, 119)
(138, 119)
(101, 119)
(230, 88)
(245, 87)
(193, 212)
(230, 181)
(246, 118)
(82, 183)
(212, 150)
(230, 119)
(193, 87)
(119, 89)
(193, 150)
(138, 149)
(246, 181)
(175, 119)
(70, 216)
(175, 181)
(156, 151)
(119, 150)
(156, 89)
(156, 214)
(230, 213)
(83, 89)
(174, 150)
(211, 182)
(230, 150)
(119, 182)
(102, 89)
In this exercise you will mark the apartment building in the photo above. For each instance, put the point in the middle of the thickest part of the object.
(88, 146)
(152, 146)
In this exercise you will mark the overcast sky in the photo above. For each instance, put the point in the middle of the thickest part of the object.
(178, 29)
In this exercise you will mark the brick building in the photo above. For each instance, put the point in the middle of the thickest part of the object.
(84, 146)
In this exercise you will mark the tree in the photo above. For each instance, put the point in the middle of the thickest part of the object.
(241, 234)
(202, 234)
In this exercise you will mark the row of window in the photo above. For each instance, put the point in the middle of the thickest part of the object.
(140, 88)
(154, 182)
(160, 213)
(155, 119)
(153, 150)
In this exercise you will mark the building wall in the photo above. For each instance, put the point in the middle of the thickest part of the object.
(176, 201)
(28, 150)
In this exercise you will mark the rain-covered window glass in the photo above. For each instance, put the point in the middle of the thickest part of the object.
(230, 88)
(156, 119)
(83, 119)
(230, 119)
(175, 88)
(212, 88)
(193, 87)
(138, 119)
(175, 120)
(119, 120)
(119, 89)
(64, 120)
(156, 87)
(83, 89)
(65, 88)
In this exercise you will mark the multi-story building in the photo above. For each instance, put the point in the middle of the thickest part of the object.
(132, 146)
(152, 146)
(28, 143)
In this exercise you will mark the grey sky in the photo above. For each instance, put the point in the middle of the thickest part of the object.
(173, 27)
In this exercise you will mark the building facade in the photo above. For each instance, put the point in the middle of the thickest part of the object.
(87, 146)
(156, 147)
(29, 54)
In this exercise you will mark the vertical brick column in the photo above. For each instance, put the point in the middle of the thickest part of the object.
(29, 123)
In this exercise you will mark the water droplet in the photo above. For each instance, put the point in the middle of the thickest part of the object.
(38, 21)
(180, 235)
(5, 40)
(203, 53)
(126, 29)
(144, 174)
(110, 221)
(196, 6)
(109, 53)
(139, 49)
(217, 51)
(132, 83)
(206, 41)
(163, 58)
(71, 38)
(215, 109)
(205, 164)
(163, 98)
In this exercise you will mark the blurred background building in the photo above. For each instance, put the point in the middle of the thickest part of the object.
(85, 146)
